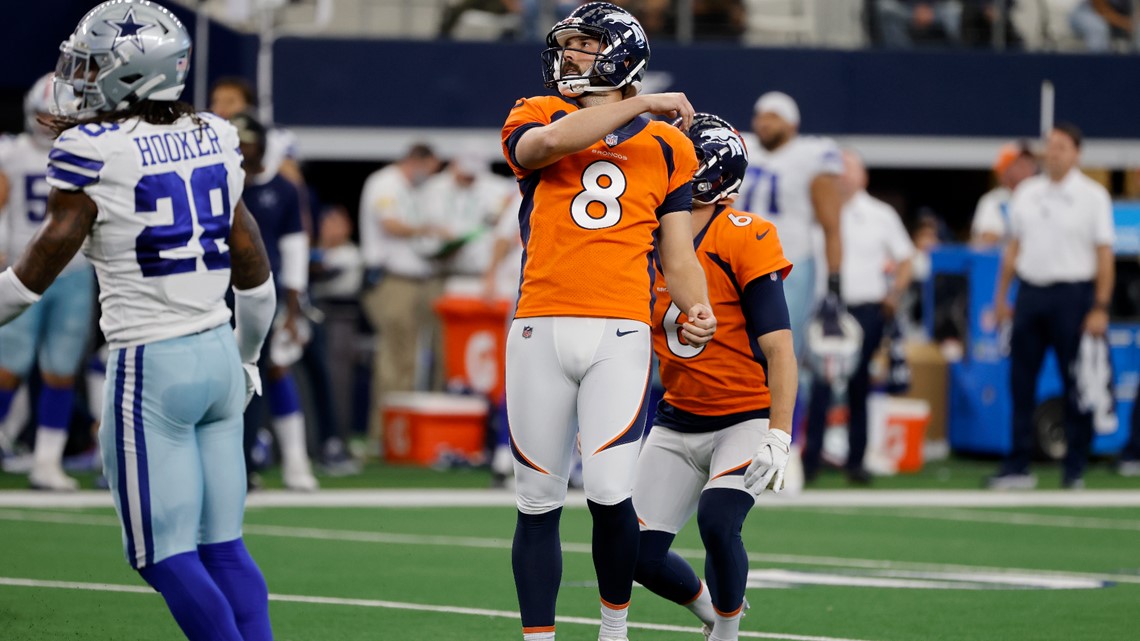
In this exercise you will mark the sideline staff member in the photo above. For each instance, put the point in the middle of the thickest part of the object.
(1061, 252)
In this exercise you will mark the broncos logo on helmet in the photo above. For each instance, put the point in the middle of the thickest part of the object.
(723, 158)
(621, 59)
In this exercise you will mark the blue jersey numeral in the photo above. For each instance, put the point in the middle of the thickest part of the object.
(756, 195)
(207, 187)
(36, 190)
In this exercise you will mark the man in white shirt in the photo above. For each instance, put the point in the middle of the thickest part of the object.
(394, 231)
(876, 272)
(1015, 162)
(1061, 252)
(794, 182)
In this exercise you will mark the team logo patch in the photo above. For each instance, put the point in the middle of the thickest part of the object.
(528, 331)
(611, 139)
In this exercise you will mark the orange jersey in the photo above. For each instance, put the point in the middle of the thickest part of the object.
(726, 375)
(588, 220)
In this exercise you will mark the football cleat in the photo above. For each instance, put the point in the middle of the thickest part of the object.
(51, 479)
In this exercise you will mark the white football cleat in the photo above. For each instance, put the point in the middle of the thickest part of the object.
(707, 631)
(299, 478)
(52, 479)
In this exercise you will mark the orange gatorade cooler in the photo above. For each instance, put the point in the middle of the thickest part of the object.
(425, 427)
(907, 419)
(474, 343)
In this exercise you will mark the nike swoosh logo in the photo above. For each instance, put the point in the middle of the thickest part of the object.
(761, 236)
(621, 333)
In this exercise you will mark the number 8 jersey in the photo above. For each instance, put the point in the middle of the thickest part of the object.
(166, 196)
(588, 220)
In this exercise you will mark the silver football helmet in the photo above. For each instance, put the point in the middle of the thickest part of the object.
(123, 51)
(39, 102)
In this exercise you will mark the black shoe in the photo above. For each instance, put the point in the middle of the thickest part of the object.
(859, 476)
(1076, 483)
(1004, 480)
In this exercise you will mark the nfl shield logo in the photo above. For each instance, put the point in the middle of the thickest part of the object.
(528, 331)
(611, 139)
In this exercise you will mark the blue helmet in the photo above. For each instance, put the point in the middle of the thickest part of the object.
(621, 59)
(722, 158)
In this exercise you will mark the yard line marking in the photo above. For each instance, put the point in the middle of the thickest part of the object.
(501, 498)
(357, 536)
(1002, 518)
(398, 605)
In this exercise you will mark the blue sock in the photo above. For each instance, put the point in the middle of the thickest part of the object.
(197, 604)
(615, 543)
(6, 397)
(54, 407)
(240, 580)
(720, 515)
(664, 572)
(536, 557)
(283, 397)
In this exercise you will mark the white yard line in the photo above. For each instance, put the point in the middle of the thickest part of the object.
(397, 605)
(1001, 518)
(505, 498)
(389, 538)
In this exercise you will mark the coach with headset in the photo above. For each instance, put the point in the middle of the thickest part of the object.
(1061, 251)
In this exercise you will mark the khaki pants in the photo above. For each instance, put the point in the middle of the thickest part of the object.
(400, 309)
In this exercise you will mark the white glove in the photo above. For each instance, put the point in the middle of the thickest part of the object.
(252, 381)
(769, 462)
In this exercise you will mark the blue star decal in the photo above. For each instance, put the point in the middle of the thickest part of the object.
(130, 29)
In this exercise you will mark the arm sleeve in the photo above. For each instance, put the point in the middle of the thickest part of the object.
(527, 114)
(253, 314)
(765, 308)
(74, 163)
(1104, 232)
(830, 160)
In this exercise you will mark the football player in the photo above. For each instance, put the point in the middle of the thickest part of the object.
(53, 332)
(723, 430)
(151, 191)
(275, 205)
(601, 182)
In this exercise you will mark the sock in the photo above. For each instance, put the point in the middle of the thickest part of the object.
(48, 450)
(6, 396)
(536, 558)
(240, 580)
(283, 397)
(290, 431)
(615, 544)
(726, 628)
(720, 515)
(197, 604)
(669, 576)
(54, 407)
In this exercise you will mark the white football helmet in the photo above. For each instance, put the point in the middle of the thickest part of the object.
(834, 357)
(39, 101)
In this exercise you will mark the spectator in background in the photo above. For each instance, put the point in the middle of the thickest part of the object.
(1097, 22)
(1061, 252)
(1015, 162)
(403, 281)
(719, 19)
(275, 205)
(905, 23)
(337, 272)
(876, 274)
(981, 17)
(466, 200)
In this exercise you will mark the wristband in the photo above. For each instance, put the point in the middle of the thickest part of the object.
(833, 284)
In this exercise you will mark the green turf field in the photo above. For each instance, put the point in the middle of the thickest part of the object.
(903, 573)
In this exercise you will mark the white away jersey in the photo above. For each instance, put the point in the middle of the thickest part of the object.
(24, 161)
(160, 245)
(778, 187)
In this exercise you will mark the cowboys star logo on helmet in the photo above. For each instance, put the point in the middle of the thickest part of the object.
(122, 51)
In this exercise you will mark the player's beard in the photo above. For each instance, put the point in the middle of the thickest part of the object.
(774, 141)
